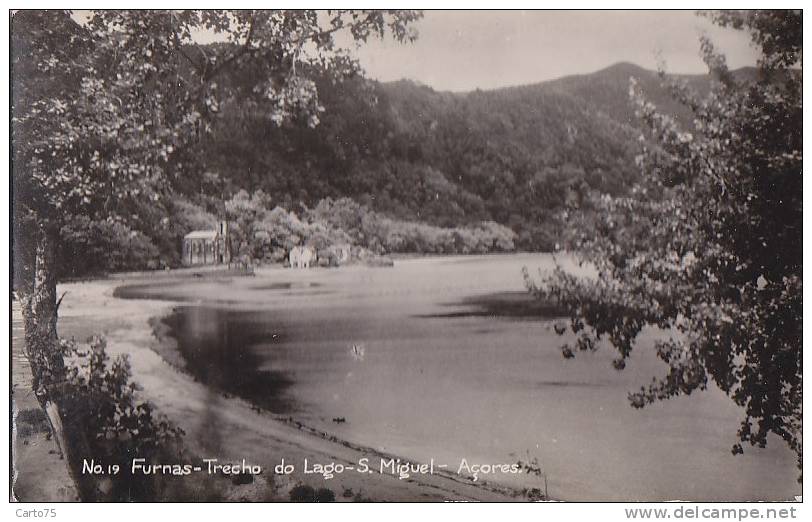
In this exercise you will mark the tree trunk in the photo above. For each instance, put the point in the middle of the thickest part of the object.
(39, 309)
(42, 347)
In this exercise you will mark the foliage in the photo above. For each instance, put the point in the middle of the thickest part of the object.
(514, 156)
(283, 230)
(143, 91)
(102, 409)
(386, 235)
(707, 246)
(106, 116)
(243, 213)
(269, 235)
(306, 493)
(93, 247)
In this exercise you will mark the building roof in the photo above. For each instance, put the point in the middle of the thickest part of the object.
(201, 234)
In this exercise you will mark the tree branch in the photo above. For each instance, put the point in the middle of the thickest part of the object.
(241, 52)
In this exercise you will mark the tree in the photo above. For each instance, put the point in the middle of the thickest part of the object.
(244, 213)
(105, 115)
(707, 247)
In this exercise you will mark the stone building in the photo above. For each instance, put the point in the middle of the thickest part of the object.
(207, 247)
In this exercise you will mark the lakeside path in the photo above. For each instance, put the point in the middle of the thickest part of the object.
(230, 429)
(39, 473)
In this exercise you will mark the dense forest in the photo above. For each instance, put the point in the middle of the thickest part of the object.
(516, 156)
(457, 163)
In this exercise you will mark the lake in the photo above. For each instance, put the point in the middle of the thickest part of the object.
(447, 358)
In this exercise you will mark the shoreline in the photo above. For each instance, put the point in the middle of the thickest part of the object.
(166, 347)
(232, 428)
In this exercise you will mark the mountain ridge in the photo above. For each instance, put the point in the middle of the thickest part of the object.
(514, 155)
(628, 68)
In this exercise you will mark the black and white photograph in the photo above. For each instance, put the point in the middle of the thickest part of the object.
(351, 255)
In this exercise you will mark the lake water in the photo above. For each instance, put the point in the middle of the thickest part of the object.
(447, 358)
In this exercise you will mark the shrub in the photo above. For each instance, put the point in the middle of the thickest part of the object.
(381, 234)
(325, 495)
(104, 418)
(305, 493)
(302, 493)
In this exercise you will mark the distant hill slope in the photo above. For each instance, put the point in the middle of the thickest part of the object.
(513, 155)
(608, 90)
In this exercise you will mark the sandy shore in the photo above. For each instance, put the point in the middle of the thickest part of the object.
(232, 430)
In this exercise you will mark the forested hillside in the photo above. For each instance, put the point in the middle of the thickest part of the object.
(515, 155)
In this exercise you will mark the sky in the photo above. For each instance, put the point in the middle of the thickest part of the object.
(466, 50)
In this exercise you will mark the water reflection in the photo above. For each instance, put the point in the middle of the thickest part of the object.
(286, 285)
(211, 437)
(220, 349)
(516, 305)
(441, 359)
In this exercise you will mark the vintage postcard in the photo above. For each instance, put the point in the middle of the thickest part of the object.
(406, 255)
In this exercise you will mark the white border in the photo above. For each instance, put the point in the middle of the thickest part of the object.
(474, 512)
